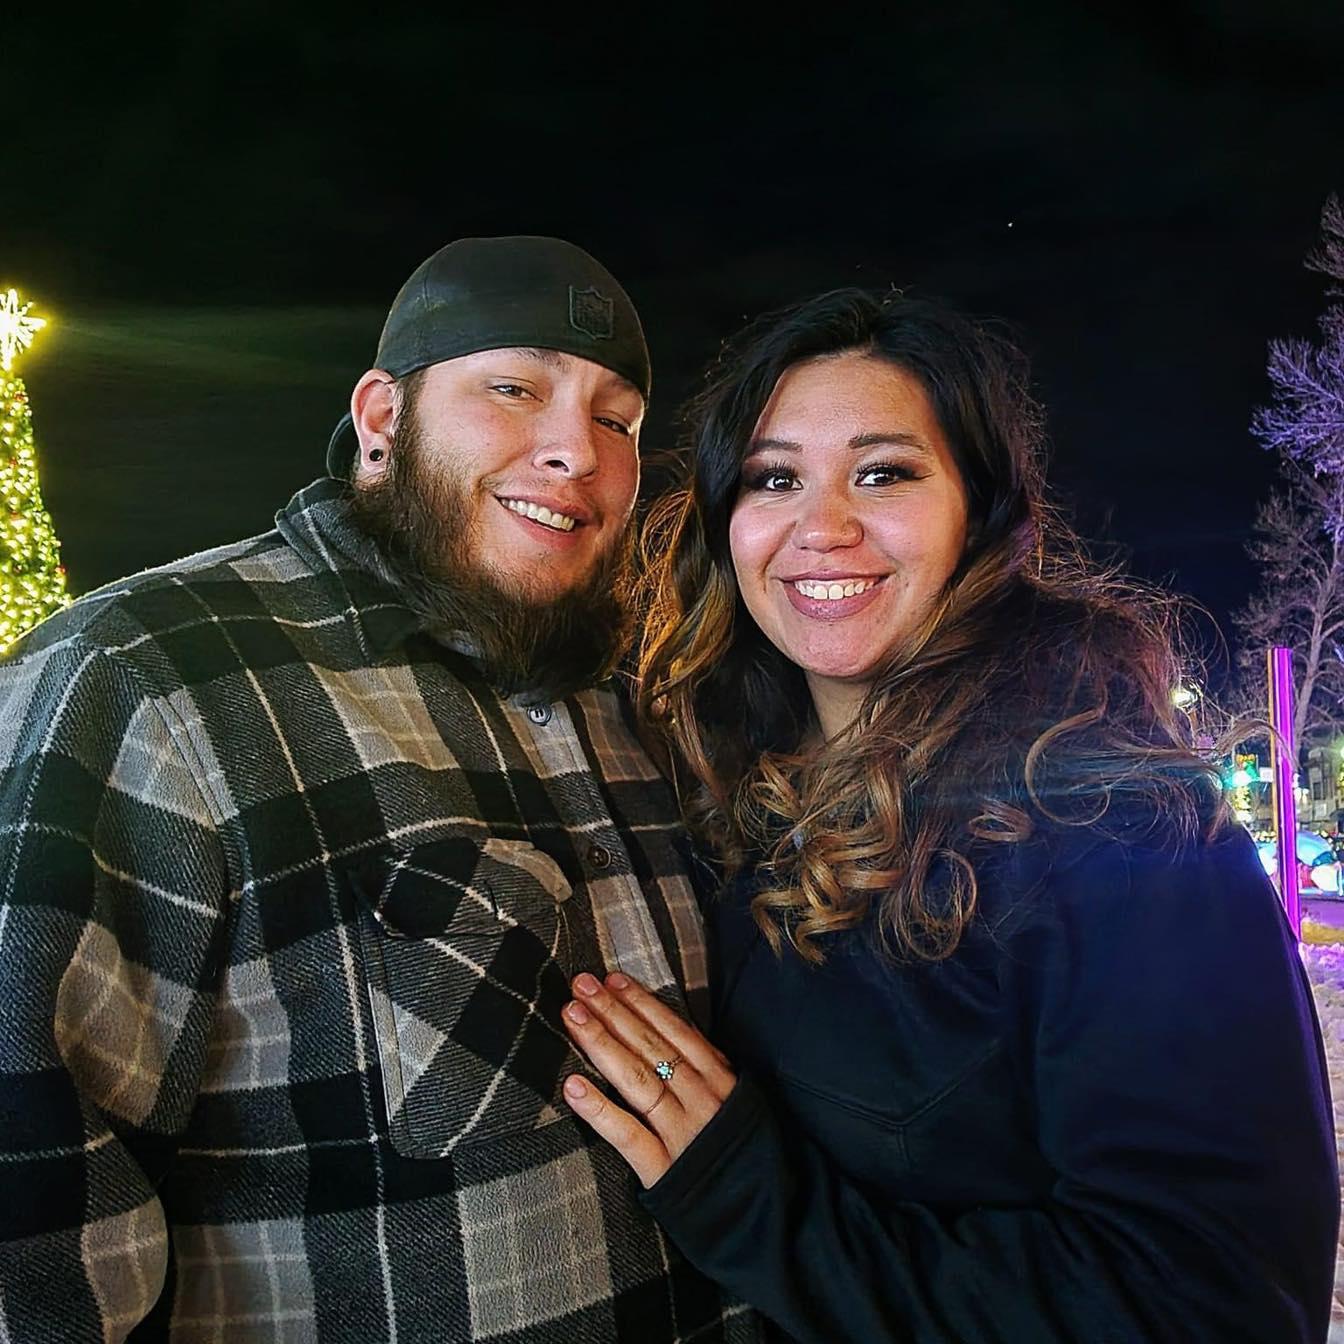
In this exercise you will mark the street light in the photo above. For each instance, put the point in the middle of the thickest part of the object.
(1186, 697)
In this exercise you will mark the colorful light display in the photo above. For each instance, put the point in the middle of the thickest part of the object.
(32, 581)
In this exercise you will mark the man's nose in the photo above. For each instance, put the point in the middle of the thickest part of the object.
(569, 444)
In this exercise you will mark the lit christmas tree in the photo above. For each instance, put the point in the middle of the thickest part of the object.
(32, 581)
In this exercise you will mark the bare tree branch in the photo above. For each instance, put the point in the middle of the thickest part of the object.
(1298, 541)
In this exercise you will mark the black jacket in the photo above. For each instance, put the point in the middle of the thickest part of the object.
(1105, 1118)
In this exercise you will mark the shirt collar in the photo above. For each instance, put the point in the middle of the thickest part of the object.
(318, 525)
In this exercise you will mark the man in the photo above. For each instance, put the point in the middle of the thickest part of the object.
(303, 839)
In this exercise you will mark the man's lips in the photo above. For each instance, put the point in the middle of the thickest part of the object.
(558, 515)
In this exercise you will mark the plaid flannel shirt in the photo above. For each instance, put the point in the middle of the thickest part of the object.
(290, 900)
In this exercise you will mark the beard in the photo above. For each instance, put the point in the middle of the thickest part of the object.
(538, 645)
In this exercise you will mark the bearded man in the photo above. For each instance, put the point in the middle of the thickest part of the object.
(303, 839)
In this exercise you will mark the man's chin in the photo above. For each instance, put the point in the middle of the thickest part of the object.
(541, 586)
(544, 620)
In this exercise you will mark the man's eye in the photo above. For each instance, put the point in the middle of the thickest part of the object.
(513, 390)
(619, 426)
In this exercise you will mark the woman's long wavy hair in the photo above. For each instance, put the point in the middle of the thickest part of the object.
(1037, 692)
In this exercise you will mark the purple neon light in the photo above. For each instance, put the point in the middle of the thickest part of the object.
(1283, 767)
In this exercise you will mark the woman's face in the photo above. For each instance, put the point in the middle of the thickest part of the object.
(849, 521)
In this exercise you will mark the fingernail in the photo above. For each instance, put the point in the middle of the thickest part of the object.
(576, 1013)
(618, 981)
(587, 984)
(575, 1087)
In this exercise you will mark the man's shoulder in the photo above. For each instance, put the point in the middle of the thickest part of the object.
(259, 574)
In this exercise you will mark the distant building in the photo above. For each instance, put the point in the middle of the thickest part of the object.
(1320, 800)
(1319, 794)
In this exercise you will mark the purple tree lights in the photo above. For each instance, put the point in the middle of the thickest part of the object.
(1279, 674)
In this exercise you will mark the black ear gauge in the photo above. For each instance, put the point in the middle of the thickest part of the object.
(375, 454)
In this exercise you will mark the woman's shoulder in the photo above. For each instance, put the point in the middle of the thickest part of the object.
(1132, 865)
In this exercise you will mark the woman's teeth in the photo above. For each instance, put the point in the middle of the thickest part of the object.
(540, 513)
(832, 592)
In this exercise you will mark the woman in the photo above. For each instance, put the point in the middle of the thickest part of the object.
(1021, 1047)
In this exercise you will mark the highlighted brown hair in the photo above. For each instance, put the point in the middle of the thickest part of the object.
(1037, 693)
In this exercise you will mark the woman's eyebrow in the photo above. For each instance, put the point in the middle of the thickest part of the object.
(895, 438)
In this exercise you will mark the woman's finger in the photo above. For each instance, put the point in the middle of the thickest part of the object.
(645, 1153)
(685, 1039)
(632, 1070)
(634, 1031)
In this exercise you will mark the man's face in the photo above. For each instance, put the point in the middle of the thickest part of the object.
(540, 451)
(480, 446)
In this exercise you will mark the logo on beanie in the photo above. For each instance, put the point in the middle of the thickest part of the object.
(591, 312)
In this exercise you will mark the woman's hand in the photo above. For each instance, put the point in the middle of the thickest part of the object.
(673, 1079)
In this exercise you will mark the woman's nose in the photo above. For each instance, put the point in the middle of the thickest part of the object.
(827, 524)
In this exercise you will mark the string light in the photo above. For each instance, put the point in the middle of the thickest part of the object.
(32, 580)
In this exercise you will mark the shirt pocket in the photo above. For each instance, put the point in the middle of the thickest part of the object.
(898, 1071)
(463, 942)
(900, 1141)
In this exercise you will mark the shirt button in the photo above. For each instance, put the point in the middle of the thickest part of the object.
(599, 857)
(539, 713)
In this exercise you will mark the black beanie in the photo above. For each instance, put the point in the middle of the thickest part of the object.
(492, 293)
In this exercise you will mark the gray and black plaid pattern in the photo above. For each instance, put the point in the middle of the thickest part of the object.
(289, 903)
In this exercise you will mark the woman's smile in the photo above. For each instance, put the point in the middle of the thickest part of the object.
(850, 520)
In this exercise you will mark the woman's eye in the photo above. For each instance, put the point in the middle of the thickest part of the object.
(773, 479)
(885, 473)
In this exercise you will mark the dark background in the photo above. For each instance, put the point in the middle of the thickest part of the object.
(215, 208)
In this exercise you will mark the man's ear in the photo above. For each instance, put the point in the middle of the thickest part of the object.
(373, 410)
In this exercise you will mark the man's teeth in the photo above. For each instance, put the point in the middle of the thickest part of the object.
(540, 513)
(832, 592)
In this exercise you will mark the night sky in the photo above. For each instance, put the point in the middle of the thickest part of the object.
(215, 209)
